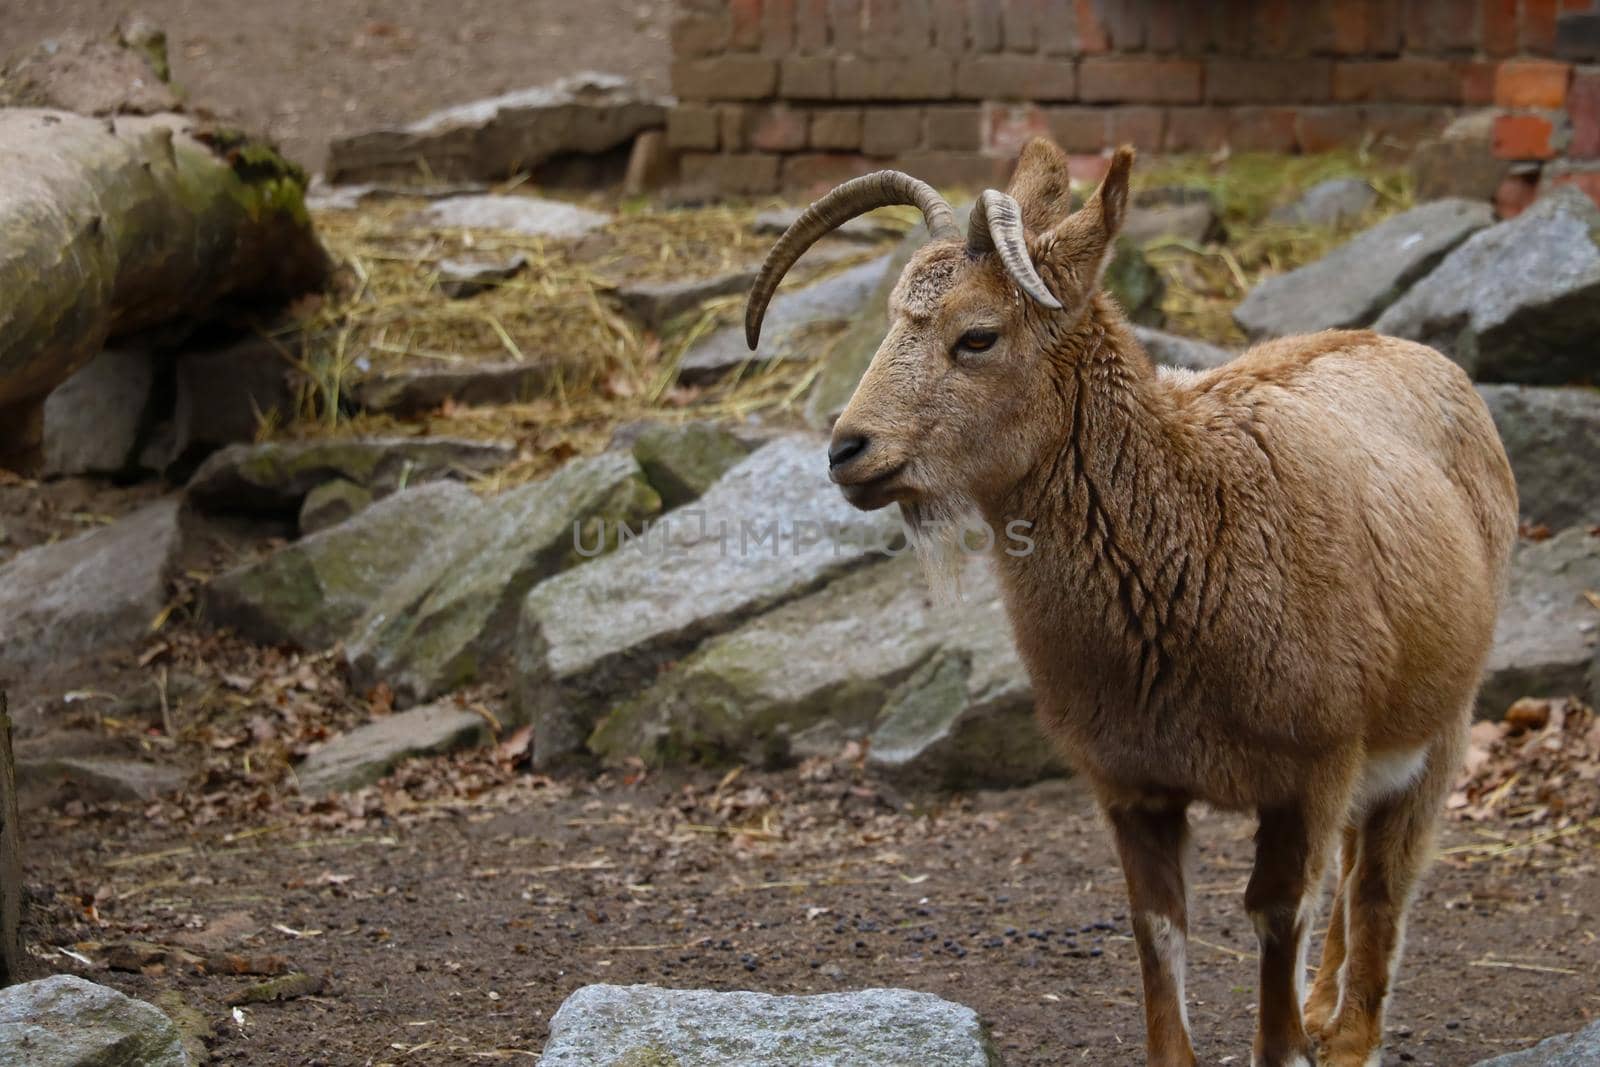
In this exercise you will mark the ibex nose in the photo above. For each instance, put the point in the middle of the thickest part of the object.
(844, 449)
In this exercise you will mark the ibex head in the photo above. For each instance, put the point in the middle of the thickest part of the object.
(941, 421)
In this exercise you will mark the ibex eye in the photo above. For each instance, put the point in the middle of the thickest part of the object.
(977, 341)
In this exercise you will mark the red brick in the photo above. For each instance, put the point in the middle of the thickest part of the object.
(1277, 81)
(836, 129)
(779, 129)
(1586, 180)
(1162, 25)
(777, 27)
(1539, 26)
(728, 77)
(746, 26)
(844, 25)
(1139, 81)
(1397, 80)
(950, 170)
(1440, 26)
(1583, 108)
(950, 27)
(745, 174)
(1232, 23)
(1092, 36)
(930, 76)
(1477, 82)
(1079, 129)
(1499, 27)
(700, 35)
(1194, 29)
(1271, 31)
(1524, 137)
(888, 131)
(1019, 24)
(806, 78)
(1386, 26)
(1058, 27)
(1015, 78)
(1322, 129)
(1538, 83)
(915, 33)
(1262, 129)
(811, 26)
(1350, 27)
(985, 26)
(1313, 29)
(735, 123)
(955, 128)
(1088, 169)
(817, 172)
(1404, 125)
(691, 127)
(1514, 193)
(1007, 127)
(880, 28)
(1195, 129)
(1142, 127)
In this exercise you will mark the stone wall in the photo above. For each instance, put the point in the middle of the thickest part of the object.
(801, 93)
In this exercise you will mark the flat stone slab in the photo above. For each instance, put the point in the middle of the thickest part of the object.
(1185, 353)
(791, 316)
(311, 593)
(1579, 1049)
(1327, 203)
(1552, 437)
(1352, 285)
(937, 687)
(369, 752)
(1546, 637)
(529, 216)
(1192, 221)
(655, 303)
(645, 1026)
(587, 113)
(67, 1021)
(772, 529)
(89, 594)
(413, 390)
(862, 228)
(101, 777)
(276, 476)
(92, 420)
(1518, 302)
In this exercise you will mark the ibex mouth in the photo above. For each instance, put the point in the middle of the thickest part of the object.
(872, 493)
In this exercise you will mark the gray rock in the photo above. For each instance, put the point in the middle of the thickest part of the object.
(444, 622)
(67, 1021)
(939, 689)
(529, 216)
(655, 303)
(1185, 353)
(1193, 221)
(313, 592)
(413, 390)
(92, 420)
(89, 594)
(864, 228)
(1136, 285)
(793, 315)
(224, 395)
(1578, 1049)
(1546, 636)
(682, 461)
(331, 503)
(770, 530)
(97, 778)
(466, 276)
(1519, 302)
(275, 477)
(1352, 285)
(1328, 203)
(1552, 436)
(369, 752)
(586, 114)
(1461, 160)
(643, 1026)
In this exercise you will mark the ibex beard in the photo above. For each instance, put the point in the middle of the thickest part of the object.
(1269, 587)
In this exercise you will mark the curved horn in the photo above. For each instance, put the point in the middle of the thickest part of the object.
(855, 197)
(996, 226)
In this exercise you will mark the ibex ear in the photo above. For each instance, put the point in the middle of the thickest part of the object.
(1041, 185)
(1078, 250)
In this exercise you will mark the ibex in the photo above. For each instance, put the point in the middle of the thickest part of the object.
(1267, 587)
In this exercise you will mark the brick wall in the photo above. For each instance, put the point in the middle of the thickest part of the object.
(802, 93)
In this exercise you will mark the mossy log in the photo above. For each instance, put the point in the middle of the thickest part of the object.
(113, 225)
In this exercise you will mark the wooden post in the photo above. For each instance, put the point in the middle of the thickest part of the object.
(10, 859)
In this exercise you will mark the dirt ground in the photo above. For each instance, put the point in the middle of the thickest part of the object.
(304, 71)
(447, 924)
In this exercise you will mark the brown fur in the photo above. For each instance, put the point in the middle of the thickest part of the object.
(1252, 587)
